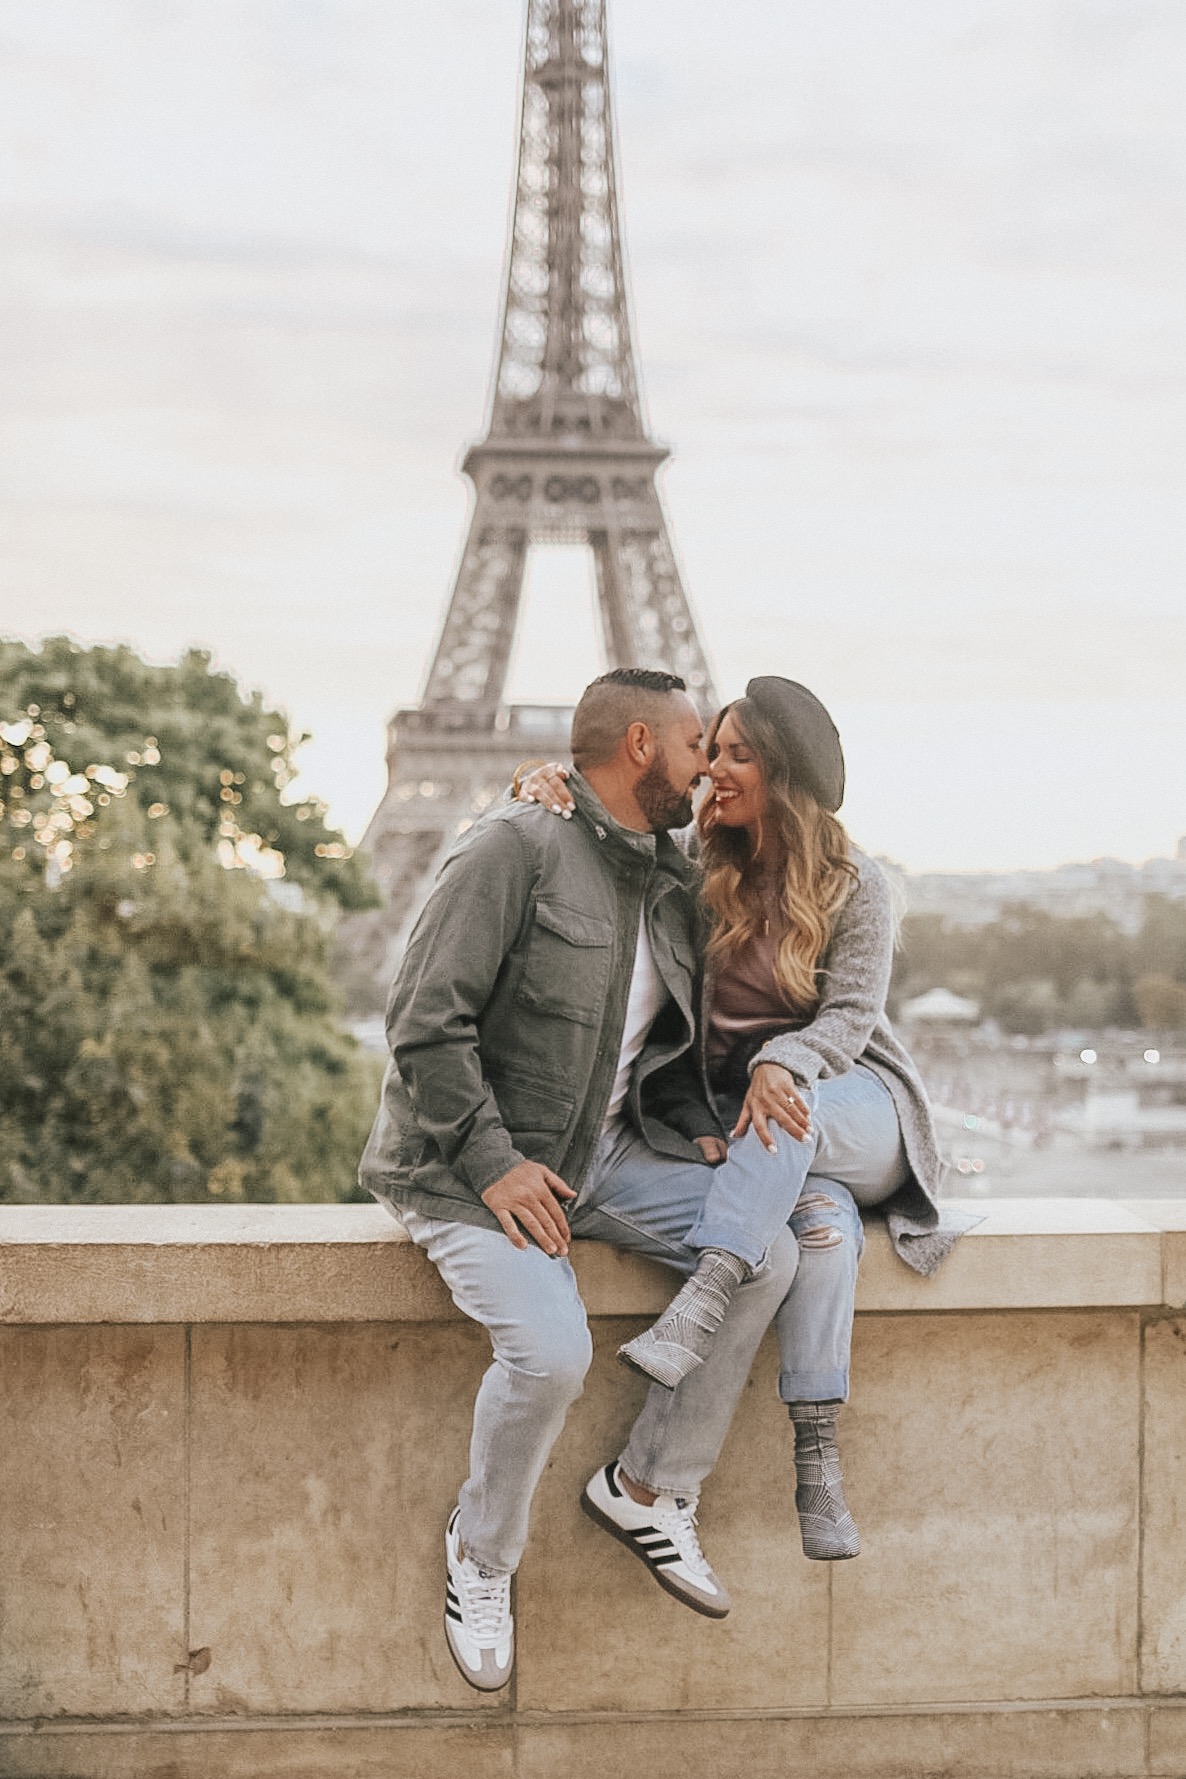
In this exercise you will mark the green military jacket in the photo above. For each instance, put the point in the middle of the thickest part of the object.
(505, 1019)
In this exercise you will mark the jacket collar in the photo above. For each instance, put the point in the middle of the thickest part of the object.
(658, 849)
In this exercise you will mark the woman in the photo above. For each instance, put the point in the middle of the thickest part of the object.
(795, 1045)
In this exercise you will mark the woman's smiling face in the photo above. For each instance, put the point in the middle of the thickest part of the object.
(738, 780)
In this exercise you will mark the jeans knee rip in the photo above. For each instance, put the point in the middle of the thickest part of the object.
(819, 1235)
(825, 1236)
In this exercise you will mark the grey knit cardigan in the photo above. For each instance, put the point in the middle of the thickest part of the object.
(850, 1026)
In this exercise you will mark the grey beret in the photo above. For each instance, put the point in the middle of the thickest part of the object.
(811, 745)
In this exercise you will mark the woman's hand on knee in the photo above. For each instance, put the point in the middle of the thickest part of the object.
(773, 1098)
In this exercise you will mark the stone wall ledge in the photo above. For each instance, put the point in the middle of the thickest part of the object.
(1096, 1739)
(198, 1264)
(230, 1435)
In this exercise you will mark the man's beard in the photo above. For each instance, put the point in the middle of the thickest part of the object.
(660, 802)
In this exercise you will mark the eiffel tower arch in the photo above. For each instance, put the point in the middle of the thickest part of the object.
(566, 458)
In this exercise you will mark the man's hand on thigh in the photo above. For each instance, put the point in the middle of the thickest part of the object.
(714, 1150)
(527, 1196)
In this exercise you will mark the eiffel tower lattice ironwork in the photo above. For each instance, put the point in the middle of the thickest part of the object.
(566, 459)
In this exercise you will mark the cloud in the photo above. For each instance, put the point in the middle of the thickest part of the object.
(909, 295)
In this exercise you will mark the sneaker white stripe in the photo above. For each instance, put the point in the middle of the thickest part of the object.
(479, 1627)
(665, 1541)
(665, 1554)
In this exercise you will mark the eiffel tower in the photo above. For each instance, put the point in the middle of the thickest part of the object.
(566, 459)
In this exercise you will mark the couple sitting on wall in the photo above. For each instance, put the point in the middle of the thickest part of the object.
(595, 1034)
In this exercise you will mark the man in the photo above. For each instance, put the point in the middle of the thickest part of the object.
(540, 1088)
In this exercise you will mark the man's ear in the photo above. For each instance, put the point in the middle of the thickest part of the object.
(640, 744)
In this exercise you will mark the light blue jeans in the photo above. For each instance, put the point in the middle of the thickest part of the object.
(532, 1310)
(637, 1199)
(854, 1157)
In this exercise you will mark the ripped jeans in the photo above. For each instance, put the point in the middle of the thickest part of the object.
(637, 1199)
(532, 1309)
(853, 1158)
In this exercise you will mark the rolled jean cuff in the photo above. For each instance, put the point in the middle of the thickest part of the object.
(734, 1239)
(813, 1386)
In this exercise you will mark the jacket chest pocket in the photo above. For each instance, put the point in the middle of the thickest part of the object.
(566, 963)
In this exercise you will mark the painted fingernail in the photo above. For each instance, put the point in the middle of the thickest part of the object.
(567, 814)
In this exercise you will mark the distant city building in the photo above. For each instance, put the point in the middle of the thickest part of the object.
(939, 1006)
(1110, 1118)
(1100, 886)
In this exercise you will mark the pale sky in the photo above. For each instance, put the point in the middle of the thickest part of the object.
(910, 295)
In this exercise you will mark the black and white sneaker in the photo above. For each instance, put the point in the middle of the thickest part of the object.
(663, 1535)
(479, 1628)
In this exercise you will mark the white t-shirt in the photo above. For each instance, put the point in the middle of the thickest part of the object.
(648, 996)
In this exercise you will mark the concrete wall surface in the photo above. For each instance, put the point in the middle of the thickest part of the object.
(229, 1437)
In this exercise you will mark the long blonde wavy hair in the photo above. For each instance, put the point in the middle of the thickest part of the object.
(801, 840)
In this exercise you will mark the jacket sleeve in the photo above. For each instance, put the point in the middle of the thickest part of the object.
(464, 933)
(855, 978)
(673, 1095)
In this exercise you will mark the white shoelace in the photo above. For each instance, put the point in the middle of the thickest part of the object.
(677, 1521)
(485, 1602)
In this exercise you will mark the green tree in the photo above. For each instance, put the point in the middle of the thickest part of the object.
(190, 745)
(1161, 944)
(1029, 969)
(1161, 1001)
(168, 1029)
